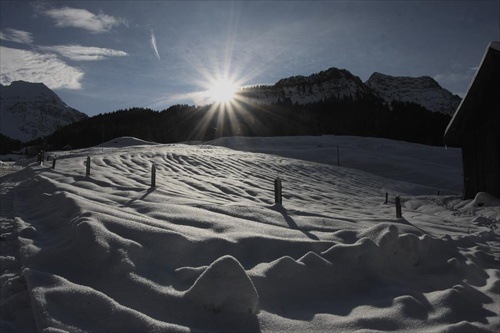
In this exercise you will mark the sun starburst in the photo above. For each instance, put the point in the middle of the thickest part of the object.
(222, 91)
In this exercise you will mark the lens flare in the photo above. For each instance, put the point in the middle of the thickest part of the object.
(222, 91)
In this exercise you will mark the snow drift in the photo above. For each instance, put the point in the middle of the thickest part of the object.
(208, 249)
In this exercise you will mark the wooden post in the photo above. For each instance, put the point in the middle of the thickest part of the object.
(277, 191)
(398, 207)
(153, 175)
(88, 166)
(386, 198)
(54, 163)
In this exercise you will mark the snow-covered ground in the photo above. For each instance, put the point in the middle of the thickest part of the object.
(208, 249)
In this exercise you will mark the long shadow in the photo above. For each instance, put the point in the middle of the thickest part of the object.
(404, 221)
(148, 192)
(279, 208)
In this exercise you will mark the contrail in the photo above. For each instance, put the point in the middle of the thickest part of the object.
(153, 43)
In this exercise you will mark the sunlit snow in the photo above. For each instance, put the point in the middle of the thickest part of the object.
(208, 249)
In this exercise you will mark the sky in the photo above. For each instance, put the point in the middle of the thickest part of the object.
(102, 56)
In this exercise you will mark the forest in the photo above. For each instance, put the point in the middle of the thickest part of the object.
(179, 123)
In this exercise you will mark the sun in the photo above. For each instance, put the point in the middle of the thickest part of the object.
(222, 91)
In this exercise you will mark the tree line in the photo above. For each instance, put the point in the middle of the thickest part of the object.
(360, 116)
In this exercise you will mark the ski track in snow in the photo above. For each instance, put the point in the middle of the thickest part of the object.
(207, 248)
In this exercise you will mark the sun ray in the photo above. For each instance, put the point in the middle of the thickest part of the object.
(222, 91)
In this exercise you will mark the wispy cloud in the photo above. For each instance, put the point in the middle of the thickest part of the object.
(16, 36)
(153, 44)
(82, 18)
(32, 66)
(84, 53)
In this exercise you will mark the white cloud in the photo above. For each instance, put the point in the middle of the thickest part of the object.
(153, 44)
(84, 53)
(31, 66)
(83, 19)
(17, 36)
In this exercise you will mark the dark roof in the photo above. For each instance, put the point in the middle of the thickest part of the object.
(480, 107)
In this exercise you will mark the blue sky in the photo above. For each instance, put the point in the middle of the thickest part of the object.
(101, 56)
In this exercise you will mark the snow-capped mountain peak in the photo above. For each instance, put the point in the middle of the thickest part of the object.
(423, 90)
(31, 110)
(337, 83)
(332, 83)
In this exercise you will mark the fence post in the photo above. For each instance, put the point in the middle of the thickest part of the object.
(88, 166)
(54, 163)
(386, 198)
(153, 175)
(277, 191)
(398, 207)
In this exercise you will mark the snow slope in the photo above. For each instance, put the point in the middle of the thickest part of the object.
(208, 249)
(31, 110)
(423, 90)
(410, 162)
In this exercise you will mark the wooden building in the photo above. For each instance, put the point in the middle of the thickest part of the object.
(475, 127)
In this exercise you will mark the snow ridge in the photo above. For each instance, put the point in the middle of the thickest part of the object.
(31, 110)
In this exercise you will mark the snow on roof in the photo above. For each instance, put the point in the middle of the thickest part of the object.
(495, 45)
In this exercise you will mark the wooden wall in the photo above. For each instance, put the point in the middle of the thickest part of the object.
(481, 161)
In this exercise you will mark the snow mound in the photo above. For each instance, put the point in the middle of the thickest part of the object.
(208, 250)
(225, 287)
(389, 259)
(125, 141)
(483, 199)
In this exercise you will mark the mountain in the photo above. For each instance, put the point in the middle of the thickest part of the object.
(423, 90)
(31, 110)
(332, 83)
(329, 102)
(340, 84)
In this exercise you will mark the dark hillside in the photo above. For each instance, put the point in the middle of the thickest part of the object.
(346, 116)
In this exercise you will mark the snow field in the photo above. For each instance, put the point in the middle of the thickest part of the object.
(15, 311)
(208, 249)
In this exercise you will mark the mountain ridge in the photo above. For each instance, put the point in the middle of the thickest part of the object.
(422, 90)
(335, 83)
(31, 110)
(333, 101)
